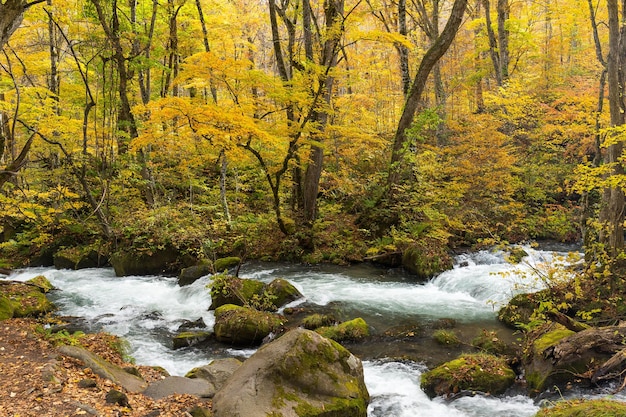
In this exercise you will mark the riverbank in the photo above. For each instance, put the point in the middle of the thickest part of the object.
(37, 380)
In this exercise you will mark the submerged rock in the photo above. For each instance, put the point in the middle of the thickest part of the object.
(481, 372)
(299, 374)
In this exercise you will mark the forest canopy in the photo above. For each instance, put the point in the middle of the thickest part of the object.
(335, 130)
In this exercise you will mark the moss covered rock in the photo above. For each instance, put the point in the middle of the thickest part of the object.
(228, 289)
(6, 308)
(352, 330)
(520, 308)
(315, 321)
(481, 372)
(244, 326)
(299, 374)
(191, 274)
(282, 292)
(426, 260)
(515, 254)
(540, 370)
(585, 408)
(186, 339)
(222, 264)
(80, 257)
(162, 261)
(42, 283)
(27, 300)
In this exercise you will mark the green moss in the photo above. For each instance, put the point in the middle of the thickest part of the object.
(282, 292)
(551, 338)
(31, 304)
(6, 308)
(315, 321)
(481, 372)
(583, 408)
(489, 342)
(186, 339)
(446, 338)
(42, 283)
(227, 289)
(351, 330)
(515, 255)
(222, 264)
(244, 326)
(220, 311)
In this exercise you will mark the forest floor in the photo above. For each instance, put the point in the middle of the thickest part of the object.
(36, 380)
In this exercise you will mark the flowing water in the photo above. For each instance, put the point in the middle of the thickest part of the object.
(147, 311)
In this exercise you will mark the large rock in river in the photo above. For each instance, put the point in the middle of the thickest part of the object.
(480, 372)
(301, 374)
(244, 326)
(227, 289)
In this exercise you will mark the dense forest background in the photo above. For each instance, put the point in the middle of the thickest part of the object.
(273, 129)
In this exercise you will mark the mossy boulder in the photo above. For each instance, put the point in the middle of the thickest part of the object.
(515, 254)
(191, 274)
(351, 330)
(299, 374)
(228, 289)
(488, 341)
(585, 408)
(520, 308)
(315, 321)
(222, 264)
(446, 338)
(244, 326)
(79, 257)
(42, 283)
(27, 300)
(282, 292)
(480, 372)
(7, 308)
(540, 369)
(425, 260)
(163, 261)
(186, 339)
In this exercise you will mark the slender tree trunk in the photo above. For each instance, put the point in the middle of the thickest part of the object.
(612, 212)
(493, 43)
(403, 51)
(432, 56)
(207, 47)
(126, 119)
(312, 176)
(503, 37)
(53, 80)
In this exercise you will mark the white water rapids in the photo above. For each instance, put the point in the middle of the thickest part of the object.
(147, 311)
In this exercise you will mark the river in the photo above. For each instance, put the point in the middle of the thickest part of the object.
(147, 311)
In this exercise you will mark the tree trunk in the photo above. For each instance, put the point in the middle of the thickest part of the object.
(432, 56)
(11, 15)
(493, 43)
(503, 37)
(403, 51)
(333, 12)
(126, 119)
(612, 211)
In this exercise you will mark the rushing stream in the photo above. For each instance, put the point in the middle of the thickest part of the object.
(147, 311)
